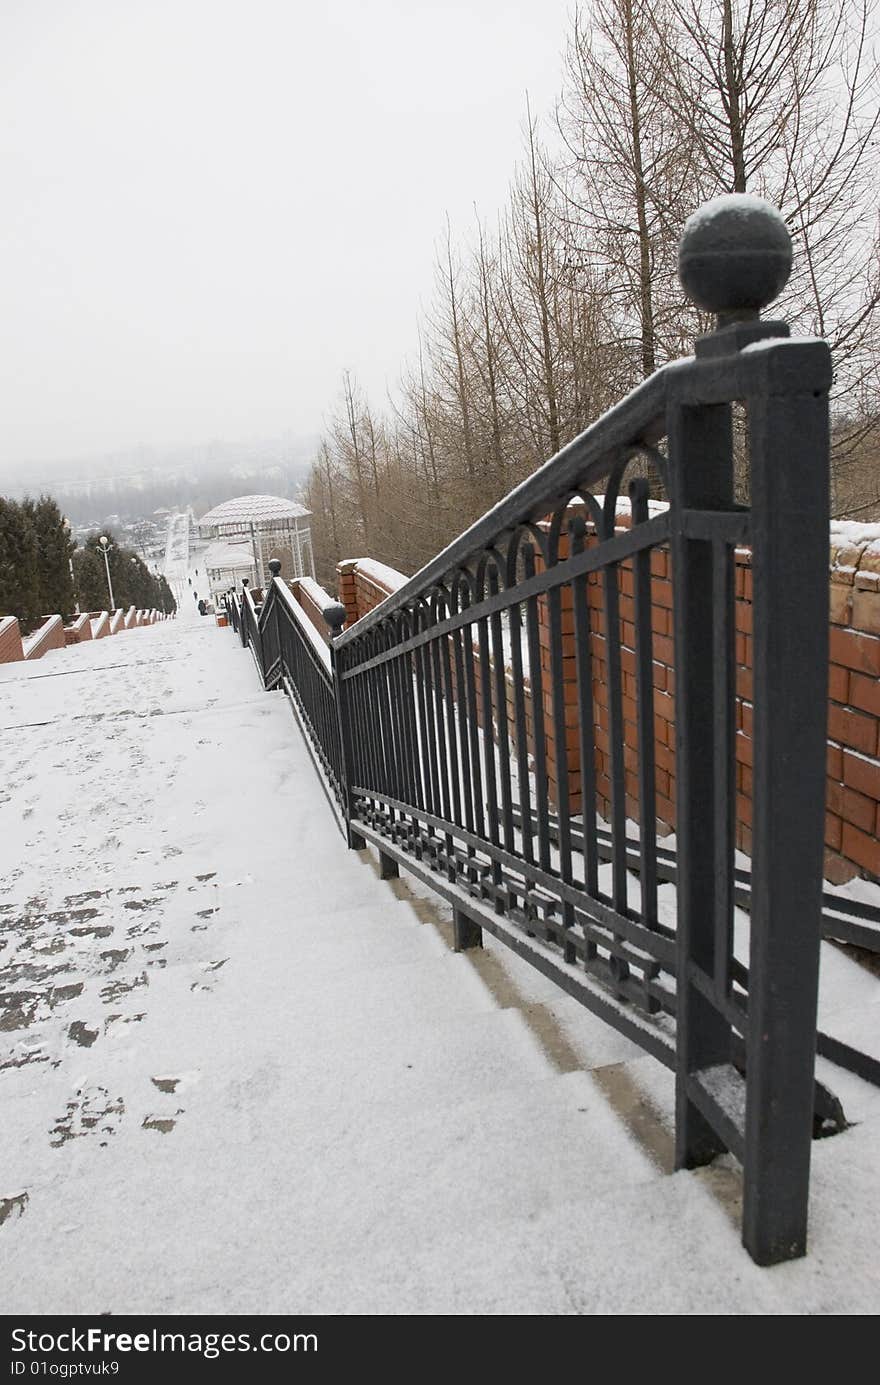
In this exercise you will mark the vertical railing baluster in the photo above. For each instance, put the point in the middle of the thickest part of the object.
(536, 681)
(617, 774)
(586, 714)
(520, 724)
(335, 617)
(643, 621)
(489, 771)
(500, 676)
(560, 737)
(473, 721)
(700, 448)
(724, 806)
(449, 705)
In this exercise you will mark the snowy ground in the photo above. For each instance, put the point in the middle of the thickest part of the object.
(239, 1073)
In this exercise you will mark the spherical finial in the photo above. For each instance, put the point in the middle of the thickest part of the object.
(245, 581)
(275, 567)
(334, 615)
(734, 256)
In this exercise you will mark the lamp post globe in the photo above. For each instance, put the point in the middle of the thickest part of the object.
(105, 544)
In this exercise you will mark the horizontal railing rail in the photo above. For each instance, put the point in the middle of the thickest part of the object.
(492, 724)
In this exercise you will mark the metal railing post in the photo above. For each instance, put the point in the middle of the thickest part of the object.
(335, 618)
(734, 259)
(275, 639)
(790, 506)
(243, 632)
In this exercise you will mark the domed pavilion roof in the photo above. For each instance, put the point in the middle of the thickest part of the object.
(245, 510)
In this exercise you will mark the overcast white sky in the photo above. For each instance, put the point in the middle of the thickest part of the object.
(213, 207)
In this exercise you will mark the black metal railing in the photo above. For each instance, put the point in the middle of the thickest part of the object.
(297, 659)
(495, 726)
(250, 626)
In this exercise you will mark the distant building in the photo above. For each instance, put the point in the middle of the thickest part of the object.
(265, 527)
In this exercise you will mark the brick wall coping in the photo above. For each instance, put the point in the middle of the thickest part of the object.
(308, 630)
(855, 559)
(79, 630)
(316, 593)
(100, 624)
(386, 577)
(49, 636)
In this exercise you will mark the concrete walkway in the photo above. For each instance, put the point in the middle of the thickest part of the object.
(240, 1074)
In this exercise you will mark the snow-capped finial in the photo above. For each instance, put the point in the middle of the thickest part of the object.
(275, 567)
(734, 256)
(335, 617)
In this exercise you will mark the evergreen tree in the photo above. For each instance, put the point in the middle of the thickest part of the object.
(54, 550)
(19, 569)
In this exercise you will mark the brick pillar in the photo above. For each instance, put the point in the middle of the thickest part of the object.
(347, 585)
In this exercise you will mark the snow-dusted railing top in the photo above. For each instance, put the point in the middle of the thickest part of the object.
(318, 646)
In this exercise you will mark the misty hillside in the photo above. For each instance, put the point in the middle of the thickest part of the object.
(134, 484)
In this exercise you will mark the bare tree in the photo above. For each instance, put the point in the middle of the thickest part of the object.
(627, 172)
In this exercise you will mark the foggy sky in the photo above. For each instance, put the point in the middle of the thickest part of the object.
(213, 207)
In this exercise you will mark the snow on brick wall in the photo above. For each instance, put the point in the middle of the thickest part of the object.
(79, 629)
(313, 599)
(50, 635)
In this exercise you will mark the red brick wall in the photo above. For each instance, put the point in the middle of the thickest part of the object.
(10, 640)
(363, 585)
(852, 824)
(79, 629)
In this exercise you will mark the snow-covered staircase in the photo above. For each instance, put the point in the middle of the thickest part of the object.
(240, 1073)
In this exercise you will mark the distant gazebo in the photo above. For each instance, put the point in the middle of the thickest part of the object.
(225, 565)
(270, 527)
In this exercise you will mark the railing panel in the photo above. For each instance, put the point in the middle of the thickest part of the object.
(497, 725)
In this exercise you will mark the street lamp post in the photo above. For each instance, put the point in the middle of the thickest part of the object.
(105, 543)
(66, 523)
